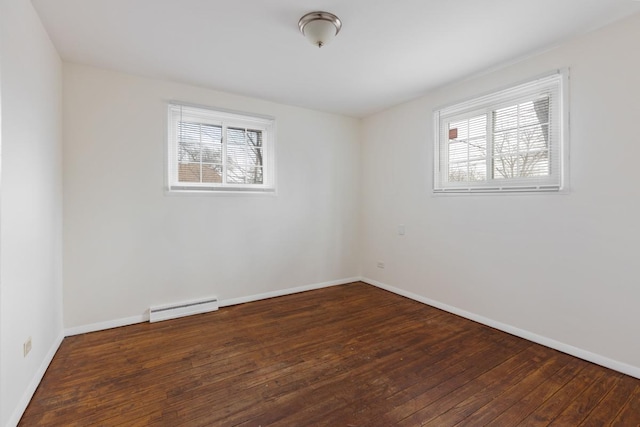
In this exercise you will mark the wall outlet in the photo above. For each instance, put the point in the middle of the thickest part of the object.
(380, 264)
(26, 347)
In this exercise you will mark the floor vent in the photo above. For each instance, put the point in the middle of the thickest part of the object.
(182, 309)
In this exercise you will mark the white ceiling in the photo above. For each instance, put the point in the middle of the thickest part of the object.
(388, 51)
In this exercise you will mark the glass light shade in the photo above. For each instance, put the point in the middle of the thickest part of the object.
(319, 27)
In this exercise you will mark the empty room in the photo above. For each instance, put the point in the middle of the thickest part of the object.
(329, 213)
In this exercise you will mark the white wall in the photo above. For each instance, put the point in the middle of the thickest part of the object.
(127, 245)
(560, 266)
(564, 267)
(31, 203)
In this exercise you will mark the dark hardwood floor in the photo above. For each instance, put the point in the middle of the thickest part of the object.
(350, 355)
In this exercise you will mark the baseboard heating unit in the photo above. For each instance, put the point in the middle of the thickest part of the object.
(182, 309)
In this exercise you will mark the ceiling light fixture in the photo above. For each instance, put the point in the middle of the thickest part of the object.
(320, 27)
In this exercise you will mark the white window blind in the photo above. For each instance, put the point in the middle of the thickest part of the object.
(510, 140)
(212, 150)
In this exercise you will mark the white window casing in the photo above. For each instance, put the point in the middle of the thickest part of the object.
(210, 150)
(511, 140)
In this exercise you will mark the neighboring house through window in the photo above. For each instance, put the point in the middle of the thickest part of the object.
(213, 150)
(510, 140)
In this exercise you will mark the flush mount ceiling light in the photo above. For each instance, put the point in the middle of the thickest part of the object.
(319, 27)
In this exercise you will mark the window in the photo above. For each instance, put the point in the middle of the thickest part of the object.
(511, 140)
(210, 150)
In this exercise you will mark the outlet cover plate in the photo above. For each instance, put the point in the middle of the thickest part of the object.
(26, 347)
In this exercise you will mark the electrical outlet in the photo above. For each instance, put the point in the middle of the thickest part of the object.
(26, 347)
(380, 264)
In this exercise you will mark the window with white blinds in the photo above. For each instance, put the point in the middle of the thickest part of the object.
(211, 150)
(514, 139)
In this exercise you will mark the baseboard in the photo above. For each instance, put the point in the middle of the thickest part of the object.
(289, 291)
(109, 324)
(35, 382)
(116, 323)
(598, 359)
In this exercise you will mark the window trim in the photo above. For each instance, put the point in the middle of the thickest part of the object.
(491, 101)
(224, 118)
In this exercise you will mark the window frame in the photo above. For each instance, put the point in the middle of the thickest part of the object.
(556, 83)
(180, 111)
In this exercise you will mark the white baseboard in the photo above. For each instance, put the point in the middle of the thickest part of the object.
(289, 291)
(35, 382)
(101, 326)
(115, 323)
(598, 359)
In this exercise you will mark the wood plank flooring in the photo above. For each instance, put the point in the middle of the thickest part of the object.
(350, 355)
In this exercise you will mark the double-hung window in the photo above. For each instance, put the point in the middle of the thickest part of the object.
(511, 140)
(212, 150)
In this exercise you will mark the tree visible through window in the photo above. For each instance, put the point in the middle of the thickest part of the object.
(217, 150)
(510, 140)
(244, 153)
(521, 140)
(199, 153)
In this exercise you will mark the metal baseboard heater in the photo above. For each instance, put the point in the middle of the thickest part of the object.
(182, 309)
